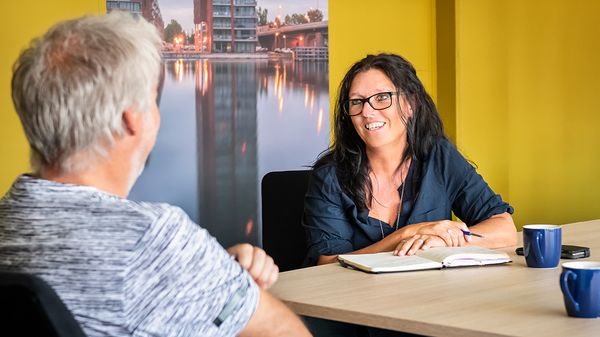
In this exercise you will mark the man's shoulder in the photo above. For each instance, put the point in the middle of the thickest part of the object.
(152, 209)
(156, 218)
(30, 198)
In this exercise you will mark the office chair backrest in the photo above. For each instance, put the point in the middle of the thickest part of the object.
(30, 307)
(282, 208)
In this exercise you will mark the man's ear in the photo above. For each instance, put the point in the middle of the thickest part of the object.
(131, 121)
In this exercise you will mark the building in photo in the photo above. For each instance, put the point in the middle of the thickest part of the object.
(225, 26)
(148, 9)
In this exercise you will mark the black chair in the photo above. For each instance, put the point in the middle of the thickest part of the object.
(283, 236)
(30, 307)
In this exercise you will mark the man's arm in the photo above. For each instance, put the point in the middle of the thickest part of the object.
(183, 283)
(273, 318)
(258, 264)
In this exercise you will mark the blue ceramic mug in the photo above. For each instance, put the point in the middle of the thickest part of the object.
(542, 245)
(580, 285)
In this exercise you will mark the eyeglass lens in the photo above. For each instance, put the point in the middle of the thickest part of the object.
(378, 101)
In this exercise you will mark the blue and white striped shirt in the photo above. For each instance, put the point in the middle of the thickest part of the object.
(123, 268)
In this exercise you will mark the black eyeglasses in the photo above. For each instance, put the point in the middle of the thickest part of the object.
(380, 101)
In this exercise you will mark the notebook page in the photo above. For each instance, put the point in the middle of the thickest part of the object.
(387, 262)
(464, 256)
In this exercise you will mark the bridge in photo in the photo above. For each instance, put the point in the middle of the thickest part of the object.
(312, 34)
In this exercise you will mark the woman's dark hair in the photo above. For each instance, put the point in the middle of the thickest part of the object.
(348, 150)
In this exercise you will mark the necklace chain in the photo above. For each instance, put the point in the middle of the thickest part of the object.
(399, 208)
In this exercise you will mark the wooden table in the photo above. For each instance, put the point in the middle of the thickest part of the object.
(502, 300)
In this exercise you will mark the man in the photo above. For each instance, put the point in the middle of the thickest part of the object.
(86, 95)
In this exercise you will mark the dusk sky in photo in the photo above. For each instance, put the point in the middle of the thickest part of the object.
(183, 10)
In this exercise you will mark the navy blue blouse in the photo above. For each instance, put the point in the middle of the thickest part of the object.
(334, 224)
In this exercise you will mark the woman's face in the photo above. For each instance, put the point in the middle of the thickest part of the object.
(379, 129)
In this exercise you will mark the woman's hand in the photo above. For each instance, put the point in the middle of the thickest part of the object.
(420, 241)
(258, 264)
(444, 233)
(451, 232)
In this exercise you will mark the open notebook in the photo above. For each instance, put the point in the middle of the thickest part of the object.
(433, 258)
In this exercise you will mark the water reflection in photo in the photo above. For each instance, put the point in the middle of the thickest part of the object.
(225, 124)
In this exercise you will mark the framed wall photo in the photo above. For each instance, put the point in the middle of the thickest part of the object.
(245, 92)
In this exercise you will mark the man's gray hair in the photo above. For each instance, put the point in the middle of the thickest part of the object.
(71, 86)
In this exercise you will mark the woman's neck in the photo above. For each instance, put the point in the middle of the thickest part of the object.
(386, 162)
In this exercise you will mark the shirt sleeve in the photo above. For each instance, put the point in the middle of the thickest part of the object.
(181, 282)
(327, 227)
(473, 201)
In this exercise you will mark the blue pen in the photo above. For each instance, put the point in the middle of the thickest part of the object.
(472, 234)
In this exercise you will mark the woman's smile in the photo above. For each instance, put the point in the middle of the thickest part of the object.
(374, 126)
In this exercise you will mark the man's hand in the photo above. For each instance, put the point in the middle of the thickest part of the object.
(258, 264)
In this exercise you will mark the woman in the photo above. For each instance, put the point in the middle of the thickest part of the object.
(391, 179)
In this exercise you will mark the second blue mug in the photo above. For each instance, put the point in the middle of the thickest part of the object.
(580, 285)
(542, 245)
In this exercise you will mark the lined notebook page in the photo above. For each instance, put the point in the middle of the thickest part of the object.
(464, 256)
(386, 262)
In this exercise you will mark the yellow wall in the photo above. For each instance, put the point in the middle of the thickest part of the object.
(358, 28)
(481, 89)
(527, 111)
(517, 83)
(20, 21)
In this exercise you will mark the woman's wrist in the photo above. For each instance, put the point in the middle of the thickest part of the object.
(411, 230)
(404, 233)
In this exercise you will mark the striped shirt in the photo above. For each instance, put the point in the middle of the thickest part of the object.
(123, 268)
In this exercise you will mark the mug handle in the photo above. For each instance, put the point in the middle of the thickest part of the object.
(564, 278)
(536, 247)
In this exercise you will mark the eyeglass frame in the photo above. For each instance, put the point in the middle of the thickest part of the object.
(346, 103)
